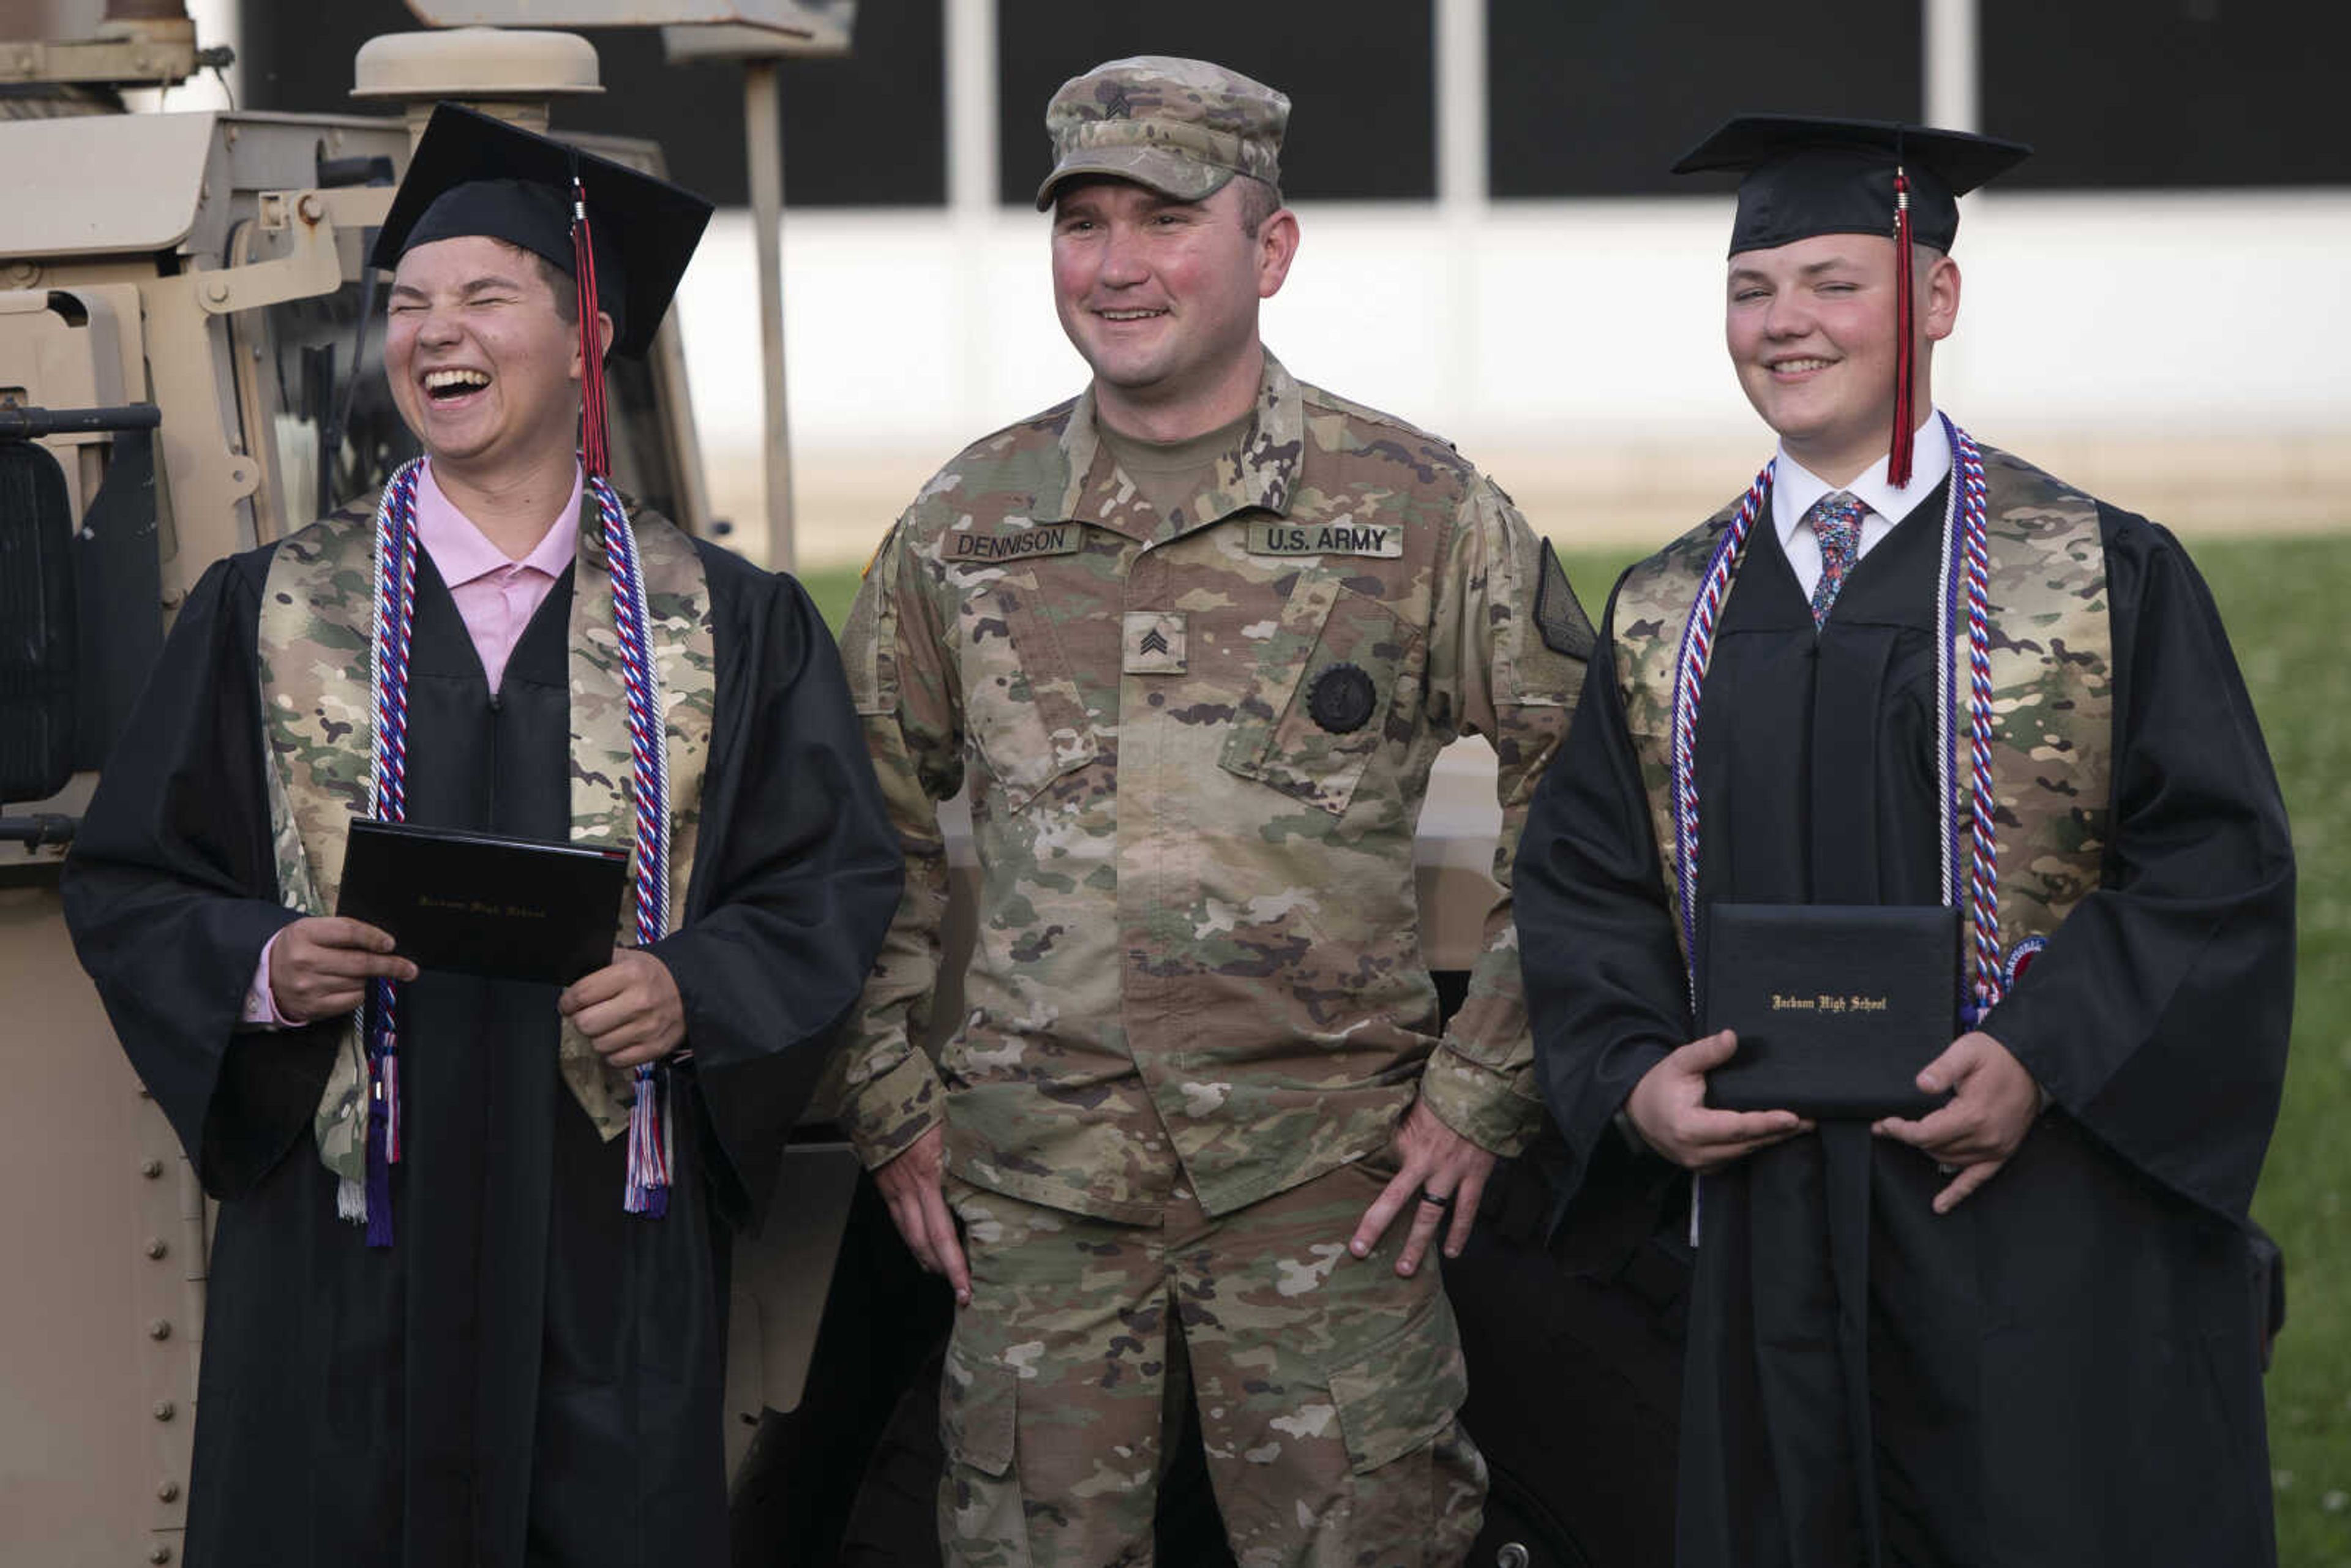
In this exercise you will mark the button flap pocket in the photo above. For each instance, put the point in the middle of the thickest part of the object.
(1403, 1392)
(977, 1400)
(1325, 693)
(1023, 706)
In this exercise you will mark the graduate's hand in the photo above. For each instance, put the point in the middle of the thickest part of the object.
(320, 965)
(1993, 1102)
(911, 1185)
(1440, 1174)
(629, 1010)
(1669, 1111)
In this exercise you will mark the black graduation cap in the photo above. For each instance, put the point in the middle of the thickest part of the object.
(475, 174)
(1808, 176)
(625, 237)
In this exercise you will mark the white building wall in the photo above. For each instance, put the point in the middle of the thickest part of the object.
(2189, 353)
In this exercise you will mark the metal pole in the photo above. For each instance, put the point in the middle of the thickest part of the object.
(763, 131)
(970, 33)
(1461, 192)
(1460, 40)
(1953, 42)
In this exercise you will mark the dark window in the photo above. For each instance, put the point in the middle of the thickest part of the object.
(1359, 73)
(2166, 92)
(867, 130)
(1598, 98)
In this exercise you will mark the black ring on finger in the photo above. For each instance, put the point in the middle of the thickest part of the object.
(1443, 1205)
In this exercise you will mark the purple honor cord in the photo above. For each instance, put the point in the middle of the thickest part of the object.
(649, 1166)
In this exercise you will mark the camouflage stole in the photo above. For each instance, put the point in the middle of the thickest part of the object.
(2045, 669)
(316, 640)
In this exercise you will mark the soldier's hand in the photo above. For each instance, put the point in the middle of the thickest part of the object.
(1669, 1109)
(913, 1187)
(1992, 1104)
(1439, 1174)
(629, 1010)
(321, 965)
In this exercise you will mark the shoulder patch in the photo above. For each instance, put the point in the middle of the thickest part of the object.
(1558, 615)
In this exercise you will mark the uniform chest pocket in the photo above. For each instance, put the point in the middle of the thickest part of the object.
(1022, 706)
(1331, 683)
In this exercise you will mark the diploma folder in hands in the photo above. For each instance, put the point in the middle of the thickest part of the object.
(474, 903)
(1837, 1007)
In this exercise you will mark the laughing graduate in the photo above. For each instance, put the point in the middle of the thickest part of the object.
(468, 1286)
(1906, 668)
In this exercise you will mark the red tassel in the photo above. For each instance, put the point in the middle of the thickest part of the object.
(1897, 461)
(595, 437)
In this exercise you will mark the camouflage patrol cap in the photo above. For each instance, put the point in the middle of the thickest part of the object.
(1184, 128)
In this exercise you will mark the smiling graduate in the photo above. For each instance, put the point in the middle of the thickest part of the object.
(468, 1288)
(1909, 669)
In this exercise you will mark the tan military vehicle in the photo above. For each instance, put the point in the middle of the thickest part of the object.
(190, 365)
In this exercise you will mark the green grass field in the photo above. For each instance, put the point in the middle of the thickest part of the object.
(2283, 602)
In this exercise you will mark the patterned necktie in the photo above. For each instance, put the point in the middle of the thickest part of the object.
(1835, 521)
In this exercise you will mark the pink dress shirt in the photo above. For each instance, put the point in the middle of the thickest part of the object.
(496, 597)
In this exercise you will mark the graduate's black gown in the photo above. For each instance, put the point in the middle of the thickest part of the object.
(2062, 1372)
(529, 1375)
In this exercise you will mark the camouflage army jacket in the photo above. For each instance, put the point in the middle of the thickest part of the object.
(1196, 749)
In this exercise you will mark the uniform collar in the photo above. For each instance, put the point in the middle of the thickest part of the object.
(1795, 487)
(1260, 474)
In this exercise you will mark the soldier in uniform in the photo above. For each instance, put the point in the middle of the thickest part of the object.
(1192, 640)
(1909, 669)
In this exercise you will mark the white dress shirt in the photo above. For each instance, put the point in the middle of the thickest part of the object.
(1794, 488)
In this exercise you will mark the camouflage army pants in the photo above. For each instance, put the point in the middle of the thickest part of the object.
(1326, 1386)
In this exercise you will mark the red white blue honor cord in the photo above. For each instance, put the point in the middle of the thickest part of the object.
(1690, 663)
(1971, 573)
(649, 1162)
(1966, 573)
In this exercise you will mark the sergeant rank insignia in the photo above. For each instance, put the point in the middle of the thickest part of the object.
(1342, 699)
(1153, 642)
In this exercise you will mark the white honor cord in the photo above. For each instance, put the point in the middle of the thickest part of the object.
(1945, 692)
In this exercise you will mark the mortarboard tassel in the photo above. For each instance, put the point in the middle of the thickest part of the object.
(595, 437)
(1897, 461)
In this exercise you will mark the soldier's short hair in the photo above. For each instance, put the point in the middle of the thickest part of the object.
(1260, 201)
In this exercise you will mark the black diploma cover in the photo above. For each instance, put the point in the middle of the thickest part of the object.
(1837, 1007)
(510, 909)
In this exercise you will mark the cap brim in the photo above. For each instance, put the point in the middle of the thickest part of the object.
(1162, 168)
